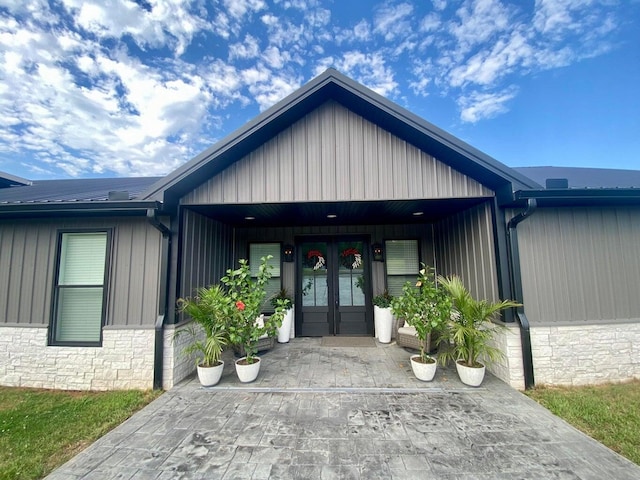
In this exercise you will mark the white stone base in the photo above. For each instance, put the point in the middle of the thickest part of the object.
(572, 355)
(175, 365)
(584, 355)
(124, 361)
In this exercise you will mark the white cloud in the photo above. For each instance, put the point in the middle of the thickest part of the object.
(239, 8)
(249, 48)
(367, 68)
(480, 105)
(393, 21)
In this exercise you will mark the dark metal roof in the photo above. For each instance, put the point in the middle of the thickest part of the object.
(580, 197)
(8, 180)
(76, 190)
(584, 177)
(333, 85)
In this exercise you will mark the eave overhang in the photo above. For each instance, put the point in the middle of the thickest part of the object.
(331, 85)
(77, 209)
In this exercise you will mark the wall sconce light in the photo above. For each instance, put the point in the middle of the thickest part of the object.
(287, 253)
(378, 252)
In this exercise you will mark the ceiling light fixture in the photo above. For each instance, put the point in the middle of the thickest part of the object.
(332, 215)
(417, 214)
(249, 218)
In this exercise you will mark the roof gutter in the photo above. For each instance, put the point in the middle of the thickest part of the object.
(516, 281)
(83, 208)
(158, 354)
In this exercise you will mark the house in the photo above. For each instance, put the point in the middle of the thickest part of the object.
(90, 270)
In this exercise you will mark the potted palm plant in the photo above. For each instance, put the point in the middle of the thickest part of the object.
(470, 331)
(208, 310)
(245, 324)
(383, 317)
(283, 300)
(426, 307)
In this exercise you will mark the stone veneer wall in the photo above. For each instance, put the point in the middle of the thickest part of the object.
(586, 354)
(124, 361)
(175, 365)
(509, 368)
(572, 355)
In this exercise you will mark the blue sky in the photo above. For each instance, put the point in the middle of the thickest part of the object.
(138, 87)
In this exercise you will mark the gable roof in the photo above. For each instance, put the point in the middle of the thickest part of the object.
(8, 180)
(333, 85)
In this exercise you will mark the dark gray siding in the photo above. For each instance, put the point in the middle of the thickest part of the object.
(581, 265)
(27, 265)
(332, 154)
(464, 246)
(207, 252)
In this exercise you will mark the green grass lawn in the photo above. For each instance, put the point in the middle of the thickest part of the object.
(42, 429)
(608, 413)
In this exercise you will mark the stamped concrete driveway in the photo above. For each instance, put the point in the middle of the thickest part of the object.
(346, 413)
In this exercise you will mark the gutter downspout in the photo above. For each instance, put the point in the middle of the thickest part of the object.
(516, 281)
(163, 297)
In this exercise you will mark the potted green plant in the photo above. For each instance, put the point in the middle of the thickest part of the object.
(283, 300)
(383, 317)
(426, 307)
(245, 324)
(470, 331)
(208, 310)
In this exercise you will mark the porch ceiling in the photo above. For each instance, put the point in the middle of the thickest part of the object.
(346, 213)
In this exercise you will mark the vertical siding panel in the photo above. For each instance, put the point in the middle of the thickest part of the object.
(356, 158)
(385, 171)
(285, 159)
(314, 156)
(400, 169)
(6, 250)
(579, 265)
(272, 171)
(373, 164)
(328, 153)
(15, 273)
(415, 184)
(257, 175)
(301, 162)
(345, 181)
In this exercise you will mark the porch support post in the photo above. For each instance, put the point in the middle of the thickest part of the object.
(505, 288)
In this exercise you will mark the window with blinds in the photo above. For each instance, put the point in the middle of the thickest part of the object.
(80, 288)
(256, 252)
(402, 263)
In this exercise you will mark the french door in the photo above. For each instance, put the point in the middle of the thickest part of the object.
(334, 294)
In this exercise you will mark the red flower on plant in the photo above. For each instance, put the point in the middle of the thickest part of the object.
(240, 305)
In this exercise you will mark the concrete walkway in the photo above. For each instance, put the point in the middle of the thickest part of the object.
(345, 413)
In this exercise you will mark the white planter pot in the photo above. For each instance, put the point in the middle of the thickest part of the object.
(210, 376)
(471, 376)
(247, 373)
(284, 331)
(383, 319)
(423, 371)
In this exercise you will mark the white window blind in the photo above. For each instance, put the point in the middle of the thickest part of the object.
(402, 263)
(80, 288)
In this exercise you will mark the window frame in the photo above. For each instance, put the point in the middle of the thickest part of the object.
(386, 263)
(55, 293)
(267, 308)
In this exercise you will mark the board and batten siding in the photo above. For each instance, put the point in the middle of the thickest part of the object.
(333, 154)
(207, 252)
(27, 266)
(581, 265)
(464, 246)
